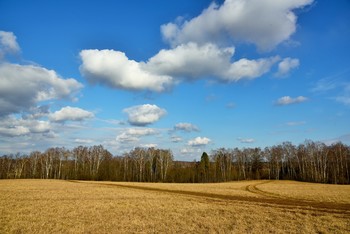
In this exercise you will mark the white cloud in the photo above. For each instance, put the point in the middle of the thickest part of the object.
(287, 100)
(191, 152)
(345, 139)
(336, 86)
(344, 96)
(8, 43)
(193, 61)
(334, 81)
(39, 126)
(83, 141)
(187, 127)
(197, 51)
(151, 145)
(143, 115)
(286, 65)
(176, 139)
(343, 99)
(114, 69)
(250, 69)
(165, 69)
(14, 127)
(295, 123)
(134, 134)
(264, 23)
(230, 105)
(246, 140)
(22, 86)
(187, 151)
(199, 141)
(70, 113)
(14, 131)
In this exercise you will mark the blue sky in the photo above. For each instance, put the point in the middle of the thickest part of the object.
(190, 76)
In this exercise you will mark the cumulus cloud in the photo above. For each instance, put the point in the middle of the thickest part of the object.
(70, 114)
(8, 43)
(23, 86)
(193, 61)
(165, 69)
(250, 69)
(264, 23)
(187, 127)
(134, 134)
(143, 115)
(246, 140)
(196, 50)
(14, 131)
(287, 100)
(286, 65)
(199, 141)
(115, 69)
(11, 126)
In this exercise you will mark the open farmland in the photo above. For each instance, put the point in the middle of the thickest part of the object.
(55, 206)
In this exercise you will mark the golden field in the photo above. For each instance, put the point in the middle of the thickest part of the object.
(57, 206)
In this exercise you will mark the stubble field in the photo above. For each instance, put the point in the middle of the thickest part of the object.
(56, 206)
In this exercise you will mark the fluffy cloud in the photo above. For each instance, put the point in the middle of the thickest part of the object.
(191, 60)
(165, 69)
(187, 127)
(246, 140)
(14, 127)
(8, 43)
(134, 134)
(286, 65)
(70, 113)
(287, 100)
(264, 23)
(14, 131)
(143, 115)
(196, 61)
(199, 141)
(196, 49)
(250, 69)
(114, 69)
(22, 86)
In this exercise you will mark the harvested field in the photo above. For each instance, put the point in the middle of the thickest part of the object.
(56, 206)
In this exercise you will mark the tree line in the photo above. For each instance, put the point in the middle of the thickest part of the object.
(309, 161)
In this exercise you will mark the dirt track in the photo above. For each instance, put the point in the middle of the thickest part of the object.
(264, 198)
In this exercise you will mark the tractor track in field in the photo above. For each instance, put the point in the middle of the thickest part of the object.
(253, 188)
(265, 199)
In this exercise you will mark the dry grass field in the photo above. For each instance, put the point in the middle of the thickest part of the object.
(56, 206)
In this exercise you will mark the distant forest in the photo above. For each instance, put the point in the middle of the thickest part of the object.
(309, 161)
